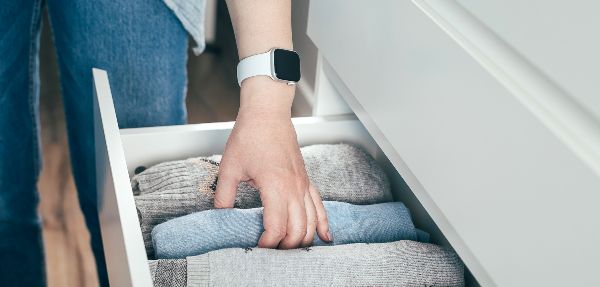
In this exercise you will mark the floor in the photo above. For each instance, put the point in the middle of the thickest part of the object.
(212, 96)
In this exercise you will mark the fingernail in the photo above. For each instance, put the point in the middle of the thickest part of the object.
(329, 236)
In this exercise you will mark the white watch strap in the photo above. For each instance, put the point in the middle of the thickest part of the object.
(255, 65)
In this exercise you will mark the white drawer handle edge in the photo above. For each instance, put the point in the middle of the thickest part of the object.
(561, 114)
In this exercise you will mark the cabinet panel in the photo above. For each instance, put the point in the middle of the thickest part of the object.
(514, 201)
(561, 38)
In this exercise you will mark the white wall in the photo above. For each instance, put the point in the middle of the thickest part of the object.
(308, 54)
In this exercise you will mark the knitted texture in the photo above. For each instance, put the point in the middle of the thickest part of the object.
(205, 231)
(168, 190)
(171, 273)
(400, 263)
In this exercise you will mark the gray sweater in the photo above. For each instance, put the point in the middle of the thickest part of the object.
(400, 263)
(172, 189)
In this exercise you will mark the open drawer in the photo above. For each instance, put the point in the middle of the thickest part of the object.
(119, 152)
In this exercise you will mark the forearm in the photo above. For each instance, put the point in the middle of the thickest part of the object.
(260, 25)
(263, 148)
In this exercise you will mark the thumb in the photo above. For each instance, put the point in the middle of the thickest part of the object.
(226, 188)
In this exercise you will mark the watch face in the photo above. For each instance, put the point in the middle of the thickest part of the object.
(287, 65)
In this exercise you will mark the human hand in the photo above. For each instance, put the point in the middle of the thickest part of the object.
(263, 150)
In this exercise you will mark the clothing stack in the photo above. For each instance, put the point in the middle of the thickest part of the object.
(375, 241)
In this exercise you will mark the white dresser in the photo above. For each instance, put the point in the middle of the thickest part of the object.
(490, 110)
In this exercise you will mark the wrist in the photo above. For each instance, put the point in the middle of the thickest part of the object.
(262, 94)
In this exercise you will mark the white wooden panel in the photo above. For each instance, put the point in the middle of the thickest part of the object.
(559, 112)
(124, 251)
(561, 38)
(512, 198)
(328, 100)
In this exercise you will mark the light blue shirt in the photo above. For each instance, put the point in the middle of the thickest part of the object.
(209, 230)
(191, 15)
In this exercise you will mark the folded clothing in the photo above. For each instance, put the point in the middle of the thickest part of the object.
(210, 230)
(344, 171)
(168, 273)
(400, 263)
(340, 172)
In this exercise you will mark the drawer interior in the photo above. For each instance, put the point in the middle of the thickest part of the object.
(149, 146)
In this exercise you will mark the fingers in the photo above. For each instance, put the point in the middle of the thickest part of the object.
(311, 220)
(275, 216)
(289, 216)
(296, 225)
(322, 222)
(226, 188)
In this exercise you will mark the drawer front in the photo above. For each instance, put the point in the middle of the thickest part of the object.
(511, 182)
(561, 38)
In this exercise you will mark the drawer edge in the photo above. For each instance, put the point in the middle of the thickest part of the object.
(125, 256)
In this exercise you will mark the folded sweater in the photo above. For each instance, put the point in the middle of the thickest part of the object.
(210, 230)
(400, 263)
(340, 172)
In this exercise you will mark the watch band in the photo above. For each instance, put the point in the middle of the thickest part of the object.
(255, 65)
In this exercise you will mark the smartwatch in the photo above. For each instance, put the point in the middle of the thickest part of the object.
(279, 64)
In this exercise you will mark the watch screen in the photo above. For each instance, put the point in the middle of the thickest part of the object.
(287, 65)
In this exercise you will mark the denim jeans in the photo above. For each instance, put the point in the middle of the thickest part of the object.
(141, 44)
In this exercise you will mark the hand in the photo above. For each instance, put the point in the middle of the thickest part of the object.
(263, 150)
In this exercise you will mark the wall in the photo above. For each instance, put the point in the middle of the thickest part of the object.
(308, 53)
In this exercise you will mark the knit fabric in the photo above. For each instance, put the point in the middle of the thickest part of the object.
(210, 230)
(400, 263)
(172, 273)
(168, 190)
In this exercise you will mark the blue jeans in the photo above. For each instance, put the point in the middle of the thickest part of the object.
(143, 47)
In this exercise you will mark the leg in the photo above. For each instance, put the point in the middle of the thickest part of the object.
(143, 47)
(21, 250)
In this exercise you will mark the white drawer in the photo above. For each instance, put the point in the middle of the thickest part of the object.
(119, 152)
(505, 162)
